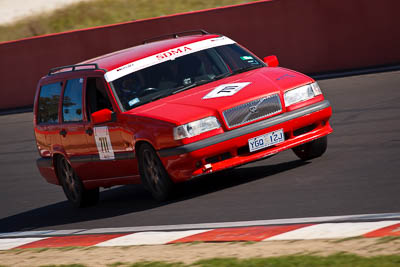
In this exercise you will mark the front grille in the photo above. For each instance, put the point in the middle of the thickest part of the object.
(253, 110)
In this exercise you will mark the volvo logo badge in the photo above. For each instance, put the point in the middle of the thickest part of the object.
(253, 109)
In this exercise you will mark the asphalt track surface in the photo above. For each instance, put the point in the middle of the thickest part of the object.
(359, 174)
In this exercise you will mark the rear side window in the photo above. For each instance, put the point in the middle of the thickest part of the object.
(49, 98)
(72, 101)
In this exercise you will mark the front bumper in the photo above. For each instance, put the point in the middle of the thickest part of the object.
(230, 149)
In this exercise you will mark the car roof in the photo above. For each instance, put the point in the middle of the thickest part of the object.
(119, 58)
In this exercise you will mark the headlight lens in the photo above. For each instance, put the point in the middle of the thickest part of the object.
(301, 94)
(196, 127)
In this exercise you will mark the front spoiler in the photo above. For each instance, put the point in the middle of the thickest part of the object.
(281, 118)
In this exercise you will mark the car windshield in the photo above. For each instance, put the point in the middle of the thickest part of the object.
(182, 73)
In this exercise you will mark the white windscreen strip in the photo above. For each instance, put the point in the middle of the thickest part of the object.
(166, 55)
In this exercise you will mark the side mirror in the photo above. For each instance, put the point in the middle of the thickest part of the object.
(272, 61)
(102, 116)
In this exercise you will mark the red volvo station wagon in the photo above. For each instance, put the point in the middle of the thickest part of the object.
(174, 108)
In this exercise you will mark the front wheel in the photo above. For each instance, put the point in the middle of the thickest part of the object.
(312, 150)
(73, 186)
(153, 174)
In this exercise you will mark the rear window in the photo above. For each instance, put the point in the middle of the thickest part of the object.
(49, 98)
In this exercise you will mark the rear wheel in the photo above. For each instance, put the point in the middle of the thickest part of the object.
(73, 186)
(153, 174)
(313, 149)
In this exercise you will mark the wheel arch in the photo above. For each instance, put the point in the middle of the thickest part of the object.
(55, 158)
(140, 143)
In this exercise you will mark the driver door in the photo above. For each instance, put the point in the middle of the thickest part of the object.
(111, 155)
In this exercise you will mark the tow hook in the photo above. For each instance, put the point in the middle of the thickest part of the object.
(207, 168)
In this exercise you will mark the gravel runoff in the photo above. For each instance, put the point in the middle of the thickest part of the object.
(13, 10)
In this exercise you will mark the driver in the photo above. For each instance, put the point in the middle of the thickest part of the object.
(170, 75)
(128, 93)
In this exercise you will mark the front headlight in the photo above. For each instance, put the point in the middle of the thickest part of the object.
(302, 93)
(196, 127)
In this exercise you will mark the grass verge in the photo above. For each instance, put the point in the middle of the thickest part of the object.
(337, 260)
(102, 12)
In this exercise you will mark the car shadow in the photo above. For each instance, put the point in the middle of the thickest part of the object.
(133, 198)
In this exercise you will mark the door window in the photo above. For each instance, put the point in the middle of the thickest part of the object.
(72, 101)
(96, 96)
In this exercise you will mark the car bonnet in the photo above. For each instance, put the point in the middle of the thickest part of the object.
(213, 98)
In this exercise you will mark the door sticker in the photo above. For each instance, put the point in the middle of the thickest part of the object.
(103, 143)
(226, 90)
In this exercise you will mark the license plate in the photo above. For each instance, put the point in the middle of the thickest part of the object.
(266, 140)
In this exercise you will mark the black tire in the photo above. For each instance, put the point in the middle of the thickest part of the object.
(73, 186)
(153, 174)
(312, 150)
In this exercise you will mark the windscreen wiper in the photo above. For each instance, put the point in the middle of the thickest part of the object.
(154, 98)
(227, 74)
(221, 76)
(246, 69)
(187, 87)
(224, 75)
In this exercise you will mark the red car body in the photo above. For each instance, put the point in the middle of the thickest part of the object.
(154, 122)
